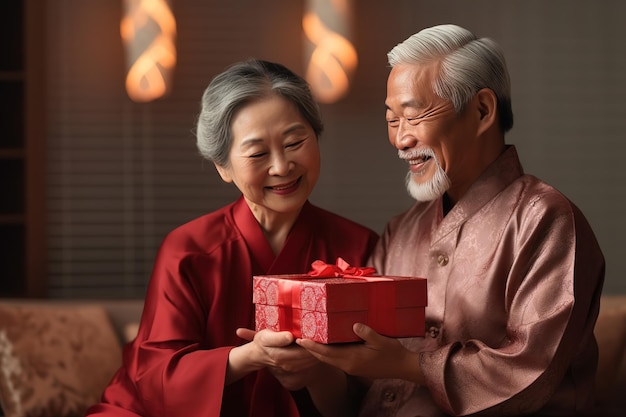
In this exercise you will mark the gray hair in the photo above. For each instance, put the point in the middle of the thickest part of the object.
(467, 64)
(239, 85)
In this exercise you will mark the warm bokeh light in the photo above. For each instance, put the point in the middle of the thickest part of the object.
(332, 59)
(148, 29)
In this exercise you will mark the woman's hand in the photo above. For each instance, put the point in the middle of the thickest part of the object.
(377, 357)
(293, 366)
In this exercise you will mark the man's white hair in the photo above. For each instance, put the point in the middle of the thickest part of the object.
(466, 65)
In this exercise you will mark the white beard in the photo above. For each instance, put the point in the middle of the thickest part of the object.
(431, 189)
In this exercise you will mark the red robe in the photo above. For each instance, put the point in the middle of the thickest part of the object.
(199, 293)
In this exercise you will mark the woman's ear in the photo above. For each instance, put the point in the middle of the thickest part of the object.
(487, 104)
(224, 173)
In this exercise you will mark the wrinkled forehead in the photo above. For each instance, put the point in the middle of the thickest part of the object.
(411, 84)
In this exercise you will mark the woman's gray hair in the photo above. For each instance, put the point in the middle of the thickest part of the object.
(238, 85)
(467, 64)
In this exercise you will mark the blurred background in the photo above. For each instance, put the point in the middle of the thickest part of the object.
(91, 180)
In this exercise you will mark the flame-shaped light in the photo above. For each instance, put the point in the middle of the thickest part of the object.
(331, 58)
(148, 30)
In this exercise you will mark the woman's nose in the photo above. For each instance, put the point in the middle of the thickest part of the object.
(280, 165)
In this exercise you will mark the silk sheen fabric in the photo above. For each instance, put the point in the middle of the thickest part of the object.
(200, 292)
(514, 281)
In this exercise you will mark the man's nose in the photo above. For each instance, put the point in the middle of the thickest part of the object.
(404, 137)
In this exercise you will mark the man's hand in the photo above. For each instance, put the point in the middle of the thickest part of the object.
(377, 357)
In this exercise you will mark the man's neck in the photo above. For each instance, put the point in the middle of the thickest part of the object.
(448, 204)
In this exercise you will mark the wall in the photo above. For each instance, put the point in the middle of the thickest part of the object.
(122, 174)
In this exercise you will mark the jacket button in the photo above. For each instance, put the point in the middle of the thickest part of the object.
(442, 260)
(433, 331)
(389, 396)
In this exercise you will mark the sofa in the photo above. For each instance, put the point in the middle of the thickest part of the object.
(610, 332)
(56, 356)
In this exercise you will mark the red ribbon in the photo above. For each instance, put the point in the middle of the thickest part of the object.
(381, 305)
(340, 269)
(289, 313)
(289, 307)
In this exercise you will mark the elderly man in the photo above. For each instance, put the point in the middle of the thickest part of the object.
(514, 270)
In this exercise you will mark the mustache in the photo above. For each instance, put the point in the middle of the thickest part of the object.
(416, 153)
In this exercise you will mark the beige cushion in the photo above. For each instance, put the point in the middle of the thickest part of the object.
(610, 332)
(54, 360)
(130, 331)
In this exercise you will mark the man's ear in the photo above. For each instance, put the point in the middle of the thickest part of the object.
(224, 173)
(487, 105)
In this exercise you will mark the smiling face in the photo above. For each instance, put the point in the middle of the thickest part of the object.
(428, 133)
(274, 157)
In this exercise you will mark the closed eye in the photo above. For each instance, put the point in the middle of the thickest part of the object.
(295, 144)
(257, 155)
(413, 121)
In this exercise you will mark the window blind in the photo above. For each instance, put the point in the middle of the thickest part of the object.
(122, 174)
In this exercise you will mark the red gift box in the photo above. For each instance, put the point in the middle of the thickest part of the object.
(324, 304)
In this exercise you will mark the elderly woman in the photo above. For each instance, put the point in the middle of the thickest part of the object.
(195, 353)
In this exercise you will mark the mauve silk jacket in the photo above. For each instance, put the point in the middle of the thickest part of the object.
(514, 281)
(200, 292)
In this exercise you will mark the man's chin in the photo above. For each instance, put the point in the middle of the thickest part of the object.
(423, 197)
(425, 191)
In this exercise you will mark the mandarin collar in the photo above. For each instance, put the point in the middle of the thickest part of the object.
(499, 175)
